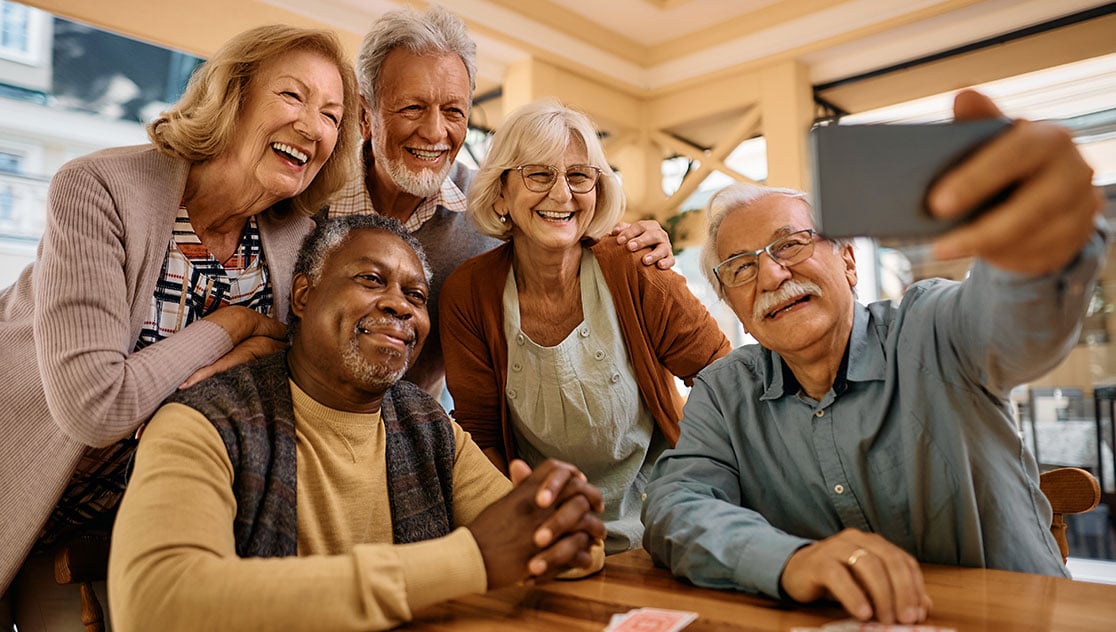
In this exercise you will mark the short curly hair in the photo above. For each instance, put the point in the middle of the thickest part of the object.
(538, 133)
(331, 233)
(200, 125)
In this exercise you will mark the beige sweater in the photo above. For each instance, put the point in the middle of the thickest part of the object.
(68, 377)
(174, 564)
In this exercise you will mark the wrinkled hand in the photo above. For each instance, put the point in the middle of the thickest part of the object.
(546, 524)
(882, 580)
(1046, 220)
(646, 234)
(242, 323)
(247, 350)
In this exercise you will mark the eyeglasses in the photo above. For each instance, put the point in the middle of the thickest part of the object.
(540, 178)
(785, 251)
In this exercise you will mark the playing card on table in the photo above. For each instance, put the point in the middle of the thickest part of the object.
(650, 620)
(852, 625)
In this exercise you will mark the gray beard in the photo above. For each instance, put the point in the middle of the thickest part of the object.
(371, 376)
(423, 184)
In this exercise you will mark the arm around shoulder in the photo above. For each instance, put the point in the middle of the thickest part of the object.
(98, 390)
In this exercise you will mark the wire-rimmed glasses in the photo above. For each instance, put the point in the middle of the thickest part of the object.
(540, 178)
(786, 251)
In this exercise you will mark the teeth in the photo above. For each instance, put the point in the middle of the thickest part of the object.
(426, 154)
(554, 215)
(291, 151)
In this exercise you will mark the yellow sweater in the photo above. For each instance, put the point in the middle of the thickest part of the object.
(174, 566)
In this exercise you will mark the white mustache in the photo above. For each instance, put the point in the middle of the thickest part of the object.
(789, 290)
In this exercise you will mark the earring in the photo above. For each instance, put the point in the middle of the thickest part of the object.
(503, 219)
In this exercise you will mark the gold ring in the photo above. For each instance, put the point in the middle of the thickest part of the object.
(855, 557)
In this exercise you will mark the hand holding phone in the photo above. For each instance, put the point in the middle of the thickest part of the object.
(872, 180)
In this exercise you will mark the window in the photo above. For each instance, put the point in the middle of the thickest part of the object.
(20, 27)
(10, 163)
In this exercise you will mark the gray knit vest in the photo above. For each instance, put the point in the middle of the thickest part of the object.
(250, 406)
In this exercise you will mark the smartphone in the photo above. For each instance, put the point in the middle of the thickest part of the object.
(872, 180)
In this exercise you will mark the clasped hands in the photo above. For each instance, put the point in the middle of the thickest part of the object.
(547, 524)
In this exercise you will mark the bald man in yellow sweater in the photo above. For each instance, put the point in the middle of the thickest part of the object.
(313, 490)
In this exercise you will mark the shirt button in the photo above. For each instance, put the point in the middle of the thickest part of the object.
(584, 331)
(615, 378)
(599, 355)
(511, 393)
(839, 488)
(517, 367)
(519, 338)
(820, 413)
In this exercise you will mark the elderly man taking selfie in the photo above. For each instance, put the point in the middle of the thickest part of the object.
(853, 441)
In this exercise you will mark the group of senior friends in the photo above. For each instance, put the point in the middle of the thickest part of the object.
(304, 466)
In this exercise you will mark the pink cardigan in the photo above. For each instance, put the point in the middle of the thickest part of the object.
(667, 331)
(68, 378)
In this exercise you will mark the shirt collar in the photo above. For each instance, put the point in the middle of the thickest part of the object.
(353, 198)
(863, 360)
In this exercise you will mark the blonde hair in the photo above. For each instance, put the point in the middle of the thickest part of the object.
(538, 133)
(200, 125)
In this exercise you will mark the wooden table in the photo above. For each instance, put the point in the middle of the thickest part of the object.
(964, 599)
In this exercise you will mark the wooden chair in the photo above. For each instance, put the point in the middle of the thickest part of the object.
(84, 560)
(1070, 490)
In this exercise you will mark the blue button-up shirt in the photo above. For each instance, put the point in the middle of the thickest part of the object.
(917, 443)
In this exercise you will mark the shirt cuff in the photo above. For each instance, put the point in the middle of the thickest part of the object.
(761, 564)
(442, 569)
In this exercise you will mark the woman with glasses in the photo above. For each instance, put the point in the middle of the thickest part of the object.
(560, 345)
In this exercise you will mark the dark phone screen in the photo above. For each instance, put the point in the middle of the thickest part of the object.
(872, 180)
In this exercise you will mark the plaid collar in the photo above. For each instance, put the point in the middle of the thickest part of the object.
(353, 199)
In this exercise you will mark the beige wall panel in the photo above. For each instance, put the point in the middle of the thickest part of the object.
(612, 110)
(723, 95)
(198, 27)
(787, 112)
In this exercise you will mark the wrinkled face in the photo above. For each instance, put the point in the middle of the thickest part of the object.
(790, 309)
(552, 220)
(419, 124)
(364, 322)
(288, 124)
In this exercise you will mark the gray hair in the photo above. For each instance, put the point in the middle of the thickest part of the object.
(435, 32)
(539, 132)
(331, 233)
(732, 197)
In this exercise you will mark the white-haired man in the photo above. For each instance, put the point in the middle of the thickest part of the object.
(856, 441)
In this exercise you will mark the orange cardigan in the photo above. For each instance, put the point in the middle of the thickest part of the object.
(667, 331)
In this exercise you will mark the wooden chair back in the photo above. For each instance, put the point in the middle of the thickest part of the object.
(1070, 490)
(82, 561)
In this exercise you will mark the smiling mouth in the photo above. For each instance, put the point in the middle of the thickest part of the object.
(776, 312)
(292, 153)
(426, 155)
(406, 338)
(555, 216)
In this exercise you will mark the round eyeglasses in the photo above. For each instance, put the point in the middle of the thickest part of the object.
(540, 178)
(786, 251)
